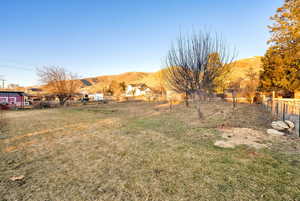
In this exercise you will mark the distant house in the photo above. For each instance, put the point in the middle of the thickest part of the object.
(12, 98)
(96, 97)
(34, 90)
(34, 94)
(137, 90)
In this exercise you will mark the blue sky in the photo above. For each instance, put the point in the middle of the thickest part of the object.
(97, 37)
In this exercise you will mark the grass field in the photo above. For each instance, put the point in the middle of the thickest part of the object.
(142, 151)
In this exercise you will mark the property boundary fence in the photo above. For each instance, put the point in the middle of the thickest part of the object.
(285, 109)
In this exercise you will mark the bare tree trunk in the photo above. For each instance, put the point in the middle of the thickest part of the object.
(170, 105)
(234, 99)
(63, 100)
(186, 99)
(199, 111)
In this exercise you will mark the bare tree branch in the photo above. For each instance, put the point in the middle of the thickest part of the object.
(59, 82)
(194, 63)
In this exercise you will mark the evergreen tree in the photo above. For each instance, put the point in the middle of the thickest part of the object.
(281, 63)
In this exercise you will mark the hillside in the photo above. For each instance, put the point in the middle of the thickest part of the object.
(154, 80)
(124, 77)
(241, 67)
(101, 82)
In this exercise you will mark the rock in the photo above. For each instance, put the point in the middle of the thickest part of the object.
(274, 132)
(276, 127)
(224, 144)
(17, 178)
(283, 124)
(279, 125)
(290, 124)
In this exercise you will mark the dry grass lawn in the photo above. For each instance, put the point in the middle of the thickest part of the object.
(142, 152)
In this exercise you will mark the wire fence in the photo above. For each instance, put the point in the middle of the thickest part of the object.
(285, 109)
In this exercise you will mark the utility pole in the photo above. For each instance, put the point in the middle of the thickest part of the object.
(3, 80)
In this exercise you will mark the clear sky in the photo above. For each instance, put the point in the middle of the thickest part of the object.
(98, 37)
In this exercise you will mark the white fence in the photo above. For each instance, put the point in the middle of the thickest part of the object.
(285, 109)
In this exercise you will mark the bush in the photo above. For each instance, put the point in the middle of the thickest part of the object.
(44, 105)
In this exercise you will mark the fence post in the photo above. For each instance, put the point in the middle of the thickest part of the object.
(283, 112)
(299, 123)
(277, 109)
(287, 110)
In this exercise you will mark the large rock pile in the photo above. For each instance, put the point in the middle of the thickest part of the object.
(281, 127)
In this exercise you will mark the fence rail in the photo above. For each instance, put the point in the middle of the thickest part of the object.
(285, 109)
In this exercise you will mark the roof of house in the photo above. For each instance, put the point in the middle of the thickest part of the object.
(12, 92)
(35, 89)
(86, 82)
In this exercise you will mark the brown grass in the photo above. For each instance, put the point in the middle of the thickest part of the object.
(139, 151)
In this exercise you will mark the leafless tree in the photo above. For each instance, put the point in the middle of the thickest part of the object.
(177, 80)
(59, 82)
(235, 87)
(194, 62)
(251, 84)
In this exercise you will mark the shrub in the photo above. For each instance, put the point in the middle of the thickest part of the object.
(44, 105)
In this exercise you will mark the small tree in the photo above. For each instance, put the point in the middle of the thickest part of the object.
(122, 87)
(251, 84)
(234, 88)
(117, 88)
(160, 76)
(133, 91)
(195, 62)
(59, 82)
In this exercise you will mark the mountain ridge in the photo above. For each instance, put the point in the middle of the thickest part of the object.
(153, 79)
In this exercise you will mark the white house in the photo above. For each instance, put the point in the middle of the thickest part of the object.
(137, 90)
(96, 97)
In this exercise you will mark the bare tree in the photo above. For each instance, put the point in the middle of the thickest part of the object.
(251, 84)
(177, 80)
(160, 76)
(235, 87)
(194, 62)
(59, 82)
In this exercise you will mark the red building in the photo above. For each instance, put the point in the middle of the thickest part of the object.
(12, 98)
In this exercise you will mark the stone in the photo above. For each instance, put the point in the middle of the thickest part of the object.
(274, 132)
(279, 125)
(224, 144)
(283, 124)
(17, 178)
(290, 124)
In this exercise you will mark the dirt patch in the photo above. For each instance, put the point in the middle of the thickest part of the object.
(244, 136)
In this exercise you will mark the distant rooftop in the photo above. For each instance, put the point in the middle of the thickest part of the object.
(35, 89)
(11, 92)
(86, 82)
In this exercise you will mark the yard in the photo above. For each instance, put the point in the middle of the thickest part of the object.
(142, 151)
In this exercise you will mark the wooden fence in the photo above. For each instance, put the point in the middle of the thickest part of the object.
(285, 109)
